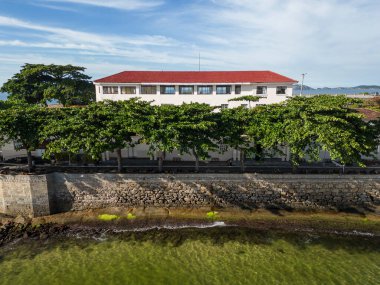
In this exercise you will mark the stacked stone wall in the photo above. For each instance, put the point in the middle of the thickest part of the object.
(248, 191)
(59, 192)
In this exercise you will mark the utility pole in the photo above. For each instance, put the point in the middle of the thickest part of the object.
(199, 61)
(303, 78)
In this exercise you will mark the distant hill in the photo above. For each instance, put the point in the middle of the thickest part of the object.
(305, 87)
(367, 87)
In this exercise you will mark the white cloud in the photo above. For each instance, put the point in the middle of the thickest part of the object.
(329, 39)
(105, 52)
(54, 7)
(116, 4)
(334, 41)
(72, 36)
(95, 67)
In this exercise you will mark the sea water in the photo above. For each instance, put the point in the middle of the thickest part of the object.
(218, 255)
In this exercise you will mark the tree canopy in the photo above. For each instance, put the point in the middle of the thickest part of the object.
(309, 125)
(160, 132)
(196, 127)
(249, 98)
(39, 83)
(306, 126)
(233, 130)
(23, 124)
(97, 128)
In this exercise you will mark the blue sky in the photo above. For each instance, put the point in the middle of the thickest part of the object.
(335, 41)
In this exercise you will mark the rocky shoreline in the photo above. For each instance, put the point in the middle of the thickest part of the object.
(87, 224)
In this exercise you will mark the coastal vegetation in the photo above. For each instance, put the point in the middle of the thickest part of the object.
(24, 124)
(39, 84)
(306, 125)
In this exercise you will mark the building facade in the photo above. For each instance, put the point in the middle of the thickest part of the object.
(215, 88)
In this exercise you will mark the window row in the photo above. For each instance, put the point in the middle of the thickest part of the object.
(187, 89)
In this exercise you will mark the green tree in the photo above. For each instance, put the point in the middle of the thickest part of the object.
(63, 132)
(197, 130)
(265, 129)
(309, 125)
(98, 127)
(39, 83)
(160, 131)
(249, 98)
(233, 130)
(24, 125)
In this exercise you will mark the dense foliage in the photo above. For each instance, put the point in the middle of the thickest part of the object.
(39, 83)
(248, 98)
(100, 127)
(305, 125)
(309, 125)
(23, 124)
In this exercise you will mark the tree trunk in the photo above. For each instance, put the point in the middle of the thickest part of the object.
(160, 161)
(196, 161)
(119, 160)
(294, 160)
(242, 162)
(30, 161)
(259, 152)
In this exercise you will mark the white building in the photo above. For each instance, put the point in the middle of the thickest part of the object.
(215, 88)
(8, 151)
(212, 87)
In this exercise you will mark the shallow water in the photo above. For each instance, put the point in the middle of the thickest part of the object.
(223, 255)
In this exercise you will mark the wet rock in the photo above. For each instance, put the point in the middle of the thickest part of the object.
(21, 220)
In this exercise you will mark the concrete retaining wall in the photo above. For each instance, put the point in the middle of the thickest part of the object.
(67, 192)
(24, 195)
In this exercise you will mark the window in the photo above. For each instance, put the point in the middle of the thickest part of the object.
(205, 89)
(224, 106)
(281, 90)
(186, 89)
(148, 89)
(244, 105)
(261, 90)
(167, 89)
(110, 90)
(128, 90)
(237, 89)
(223, 89)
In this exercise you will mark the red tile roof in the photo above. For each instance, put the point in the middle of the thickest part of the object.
(196, 77)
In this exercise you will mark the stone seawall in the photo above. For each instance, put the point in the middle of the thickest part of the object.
(24, 195)
(70, 192)
(79, 192)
